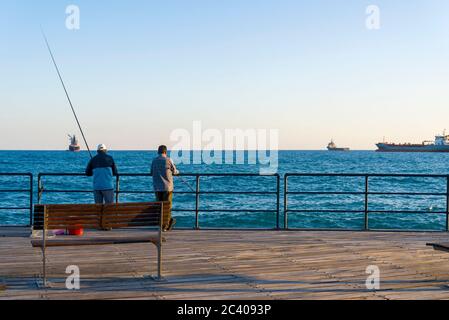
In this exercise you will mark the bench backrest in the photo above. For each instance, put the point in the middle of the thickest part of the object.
(132, 215)
(123, 215)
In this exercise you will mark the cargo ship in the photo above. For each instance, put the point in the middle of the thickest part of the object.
(74, 146)
(333, 147)
(440, 144)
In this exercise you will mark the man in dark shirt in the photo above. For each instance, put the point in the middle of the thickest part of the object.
(162, 170)
(102, 167)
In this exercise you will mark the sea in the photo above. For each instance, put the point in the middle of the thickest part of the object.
(244, 207)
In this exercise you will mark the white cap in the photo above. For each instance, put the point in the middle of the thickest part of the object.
(101, 147)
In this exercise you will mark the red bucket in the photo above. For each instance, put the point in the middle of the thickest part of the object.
(76, 232)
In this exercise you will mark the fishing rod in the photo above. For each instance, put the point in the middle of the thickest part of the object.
(73, 109)
(186, 183)
(66, 92)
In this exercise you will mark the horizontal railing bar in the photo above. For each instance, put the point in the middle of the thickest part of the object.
(15, 174)
(325, 211)
(369, 211)
(14, 191)
(119, 192)
(14, 208)
(363, 193)
(230, 229)
(391, 175)
(176, 192)
(151, 192)
(201, 192)
(204, 175)
(326, 192)
(369, 230)
(407, 194)
(238, 192)
(235, 210)
(258, 175)
(67, 191)
(407, 211)
(181, 175)
(14, 225)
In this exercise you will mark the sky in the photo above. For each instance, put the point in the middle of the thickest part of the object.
(138, 70)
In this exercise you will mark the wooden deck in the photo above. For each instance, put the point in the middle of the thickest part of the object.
(234, 265)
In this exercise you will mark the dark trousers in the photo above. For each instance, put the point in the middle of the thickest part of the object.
(104, 196)
(165, 196)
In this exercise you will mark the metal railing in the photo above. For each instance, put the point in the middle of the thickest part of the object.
(28, 191)
(366, 193)
(195, 190)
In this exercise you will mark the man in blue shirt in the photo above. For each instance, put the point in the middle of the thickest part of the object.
(102, 167)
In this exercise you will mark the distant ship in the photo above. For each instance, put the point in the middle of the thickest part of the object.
(74, 146)
(441, 144)
(333, 147)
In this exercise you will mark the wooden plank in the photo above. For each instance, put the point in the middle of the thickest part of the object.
(94, 241)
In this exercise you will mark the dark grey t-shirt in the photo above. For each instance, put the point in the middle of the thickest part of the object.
(163, 170)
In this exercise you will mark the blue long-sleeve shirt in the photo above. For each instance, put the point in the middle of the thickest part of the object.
(102, 167)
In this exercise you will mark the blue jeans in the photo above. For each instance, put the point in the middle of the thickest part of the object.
(104, 196)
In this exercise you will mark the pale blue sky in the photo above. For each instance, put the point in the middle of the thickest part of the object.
(136, 70)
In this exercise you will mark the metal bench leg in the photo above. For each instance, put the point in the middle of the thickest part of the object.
(159, 262)
(159, 246)
(43, 283)
(44, 267)
(158, 277)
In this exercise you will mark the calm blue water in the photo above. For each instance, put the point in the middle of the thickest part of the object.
(289, 161)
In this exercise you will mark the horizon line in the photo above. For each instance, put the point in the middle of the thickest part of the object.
(148, 150)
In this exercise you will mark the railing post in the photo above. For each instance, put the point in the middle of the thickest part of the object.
(40, 189)
(31, 199)
(197, 203)
(278, 200)
(366, 228)
(285, 202)
(447, 203)
(117, 189)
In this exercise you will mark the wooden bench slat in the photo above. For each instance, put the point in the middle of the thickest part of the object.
(74, 226)
(150, 217)
(72, 213)
(125, 225)
(131, 210)
(95, 241)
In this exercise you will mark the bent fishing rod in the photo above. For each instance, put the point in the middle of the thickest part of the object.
(71, 104)
(65, 90)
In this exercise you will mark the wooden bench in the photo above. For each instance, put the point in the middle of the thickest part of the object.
(99, 217)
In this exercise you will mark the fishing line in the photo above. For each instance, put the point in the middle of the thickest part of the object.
(65, 90)
(186, 183)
